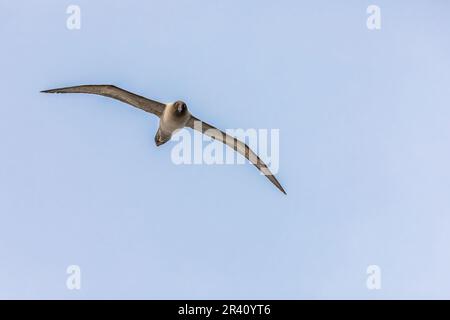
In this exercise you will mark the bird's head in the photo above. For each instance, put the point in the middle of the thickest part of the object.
(180, 108)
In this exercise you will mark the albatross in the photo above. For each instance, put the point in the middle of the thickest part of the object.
(173, 116)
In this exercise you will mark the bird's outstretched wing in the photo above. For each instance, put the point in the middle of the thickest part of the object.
(234, 143)
(114, 92)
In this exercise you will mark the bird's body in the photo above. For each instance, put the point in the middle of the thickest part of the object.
(173, 116)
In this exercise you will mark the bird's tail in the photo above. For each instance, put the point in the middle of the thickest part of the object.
(161, 137)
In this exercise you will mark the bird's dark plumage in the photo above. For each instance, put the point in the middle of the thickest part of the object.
(158, 109)
(114, 92)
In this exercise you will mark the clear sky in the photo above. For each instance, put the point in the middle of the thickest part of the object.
(364, 150)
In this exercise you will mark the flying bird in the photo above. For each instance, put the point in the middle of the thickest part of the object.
(173, 116)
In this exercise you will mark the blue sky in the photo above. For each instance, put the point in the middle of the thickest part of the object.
(364, 150)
